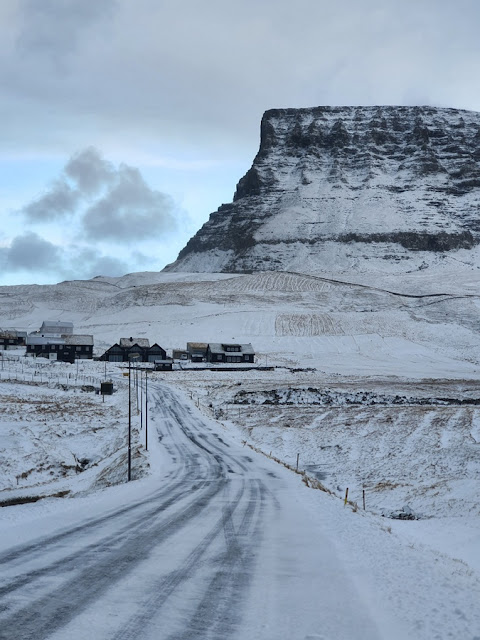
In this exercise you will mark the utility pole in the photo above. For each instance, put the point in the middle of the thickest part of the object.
(146, 410)
(130, 416)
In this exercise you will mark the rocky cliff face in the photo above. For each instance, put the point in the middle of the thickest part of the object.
(350, 188)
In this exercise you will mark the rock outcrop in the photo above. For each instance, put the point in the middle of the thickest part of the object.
(350, 188)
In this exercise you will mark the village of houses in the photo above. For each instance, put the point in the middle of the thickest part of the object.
(56, 340)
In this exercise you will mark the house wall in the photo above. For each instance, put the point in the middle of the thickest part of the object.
(62, 352)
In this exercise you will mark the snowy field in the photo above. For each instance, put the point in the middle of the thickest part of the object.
(373, 389)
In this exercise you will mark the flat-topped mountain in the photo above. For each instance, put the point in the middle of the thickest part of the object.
(350, 189)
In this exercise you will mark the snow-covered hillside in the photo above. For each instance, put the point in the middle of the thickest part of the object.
(418, 327)
(373, 387)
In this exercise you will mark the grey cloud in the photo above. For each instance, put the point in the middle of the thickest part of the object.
(54, 28)
(31, 252)
(90, 170)
(59, 201)
(94, 263)
(129, 211)
(204, 75)
(107, 266)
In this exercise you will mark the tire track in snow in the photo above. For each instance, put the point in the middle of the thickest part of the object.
(103, 561)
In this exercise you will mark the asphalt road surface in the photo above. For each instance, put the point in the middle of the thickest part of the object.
(221, 549)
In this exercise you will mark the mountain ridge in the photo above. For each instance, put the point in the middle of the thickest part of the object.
(350, 188)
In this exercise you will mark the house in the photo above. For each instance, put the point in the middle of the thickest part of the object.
(137, 349)
(80, 346)
(197, 351)
(66, 348)
(11, 339)
(134, 349)
(217, 353)
(56, 328)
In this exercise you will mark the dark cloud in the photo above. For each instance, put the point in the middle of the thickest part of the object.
(130, 210)
(124, 207)
(59, 201)
(30, 252)
(90, 171)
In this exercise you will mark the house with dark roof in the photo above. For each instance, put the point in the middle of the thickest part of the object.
(137, 349)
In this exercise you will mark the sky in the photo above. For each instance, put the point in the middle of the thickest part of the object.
(125, 124)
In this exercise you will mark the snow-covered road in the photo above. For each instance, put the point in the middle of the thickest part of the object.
(224, 547)
(184, 561)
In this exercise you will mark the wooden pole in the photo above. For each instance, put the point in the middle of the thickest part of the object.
(346, 496)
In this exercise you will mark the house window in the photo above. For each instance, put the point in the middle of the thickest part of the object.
(219, 356)
(78, 348)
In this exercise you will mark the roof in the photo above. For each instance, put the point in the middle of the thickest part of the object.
(8, 334)
(57, 323)
(78, 339)
(37, 338)
(197, 345)
(144, 343)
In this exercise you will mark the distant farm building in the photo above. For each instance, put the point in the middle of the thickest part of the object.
(217, 353)
(179, 354)
(12, 339)
(56, 327)
(197, 351)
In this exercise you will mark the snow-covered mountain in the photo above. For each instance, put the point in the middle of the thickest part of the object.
(350, 189)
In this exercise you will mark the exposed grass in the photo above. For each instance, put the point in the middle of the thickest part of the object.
(28, 499)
